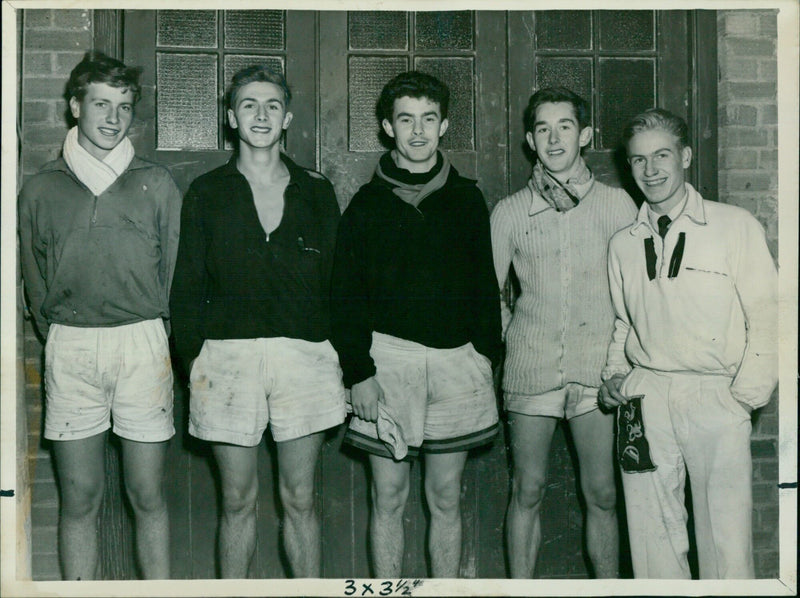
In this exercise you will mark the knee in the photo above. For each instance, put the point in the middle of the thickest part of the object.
(444, 496)
(146, 499)
(240, 499)
(527, 490)
(297, 497)
(600, 494)
(390, 498)
(81, 499)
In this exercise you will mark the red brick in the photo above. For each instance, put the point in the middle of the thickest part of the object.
(45, 539)
(45, 568)
(738, 181)
(37, 63)
(752, 91)
(45, 492)
(741, 23)
(738, 114)
(34, 159)
(768, 70)
(764, 494)
(49, 88)
(50, 39)
(768, 114)
(739, 69)
(73, 19)
(45, 134)
(38, 18)
(766, 470)
(739, 158)
(44, 515)
(743, 137)
(769, 25)
(767, 563)
(768, 159)
(768, 518)
(740, 46)
(37, 112)
(66, 61)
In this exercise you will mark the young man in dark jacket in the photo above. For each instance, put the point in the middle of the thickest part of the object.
(251, 310)
(98, 239)
(416, 322)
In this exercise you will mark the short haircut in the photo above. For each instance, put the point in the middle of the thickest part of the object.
(96, 67)
(258, 73)
(657, 118)
(551, 95)
(412, 84)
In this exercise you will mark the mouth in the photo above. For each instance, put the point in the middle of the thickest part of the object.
(418, 143)
(261, 129)
(655, 182)
(555, 153)
(108, 132)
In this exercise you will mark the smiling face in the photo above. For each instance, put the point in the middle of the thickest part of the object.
(658, 164)
(416, 127)
(557, 138)
(104, 116)
(259, 114)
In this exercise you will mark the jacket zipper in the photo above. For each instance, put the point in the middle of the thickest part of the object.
(94, 211)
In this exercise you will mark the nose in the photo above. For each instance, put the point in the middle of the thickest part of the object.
(262, 113)
(417, 126)
(649, 166)
(553, 138)
(112, 115)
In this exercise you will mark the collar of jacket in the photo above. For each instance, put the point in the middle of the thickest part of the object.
(693, 210)
(454, 179)
(60, 164)
(298, 176)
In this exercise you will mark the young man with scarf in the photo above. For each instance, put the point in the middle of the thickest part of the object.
(99, 236)
(416, 322)
(694, 352)
(250, 306)
(555, 232)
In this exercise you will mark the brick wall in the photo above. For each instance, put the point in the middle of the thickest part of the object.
(748, 177)
(54, 42)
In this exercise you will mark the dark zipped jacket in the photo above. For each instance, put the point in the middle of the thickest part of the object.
(98, 261)
(233, 282)
(423, 274)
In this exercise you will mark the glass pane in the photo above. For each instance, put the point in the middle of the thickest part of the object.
(627, 30)
(372, 30)
(564, 30)
(236, 62)
(444, 30)
(186, 99)
(366, 77)
(627, 87)
(187, 28)
(572, 73)
(458, 74)
(256, 29)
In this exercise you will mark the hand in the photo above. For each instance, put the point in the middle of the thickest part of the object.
(609, 395)
(365, 396)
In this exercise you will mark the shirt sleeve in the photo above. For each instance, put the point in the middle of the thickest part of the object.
(169, 234)
(616, 361)
(188, 293)
(756, 281)
(33, 259)
(329, 224)
(502, 253)
(351, 320)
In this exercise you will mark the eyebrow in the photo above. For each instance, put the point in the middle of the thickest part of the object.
(269, 101)
(663, 149)
(429, 113)
(561, 120)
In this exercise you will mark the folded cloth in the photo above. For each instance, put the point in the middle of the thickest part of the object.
(633, 450)
(389, 432)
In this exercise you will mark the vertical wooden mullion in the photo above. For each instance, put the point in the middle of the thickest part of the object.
(704, 101)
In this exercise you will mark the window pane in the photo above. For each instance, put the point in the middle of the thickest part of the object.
(564, 30)
(254, 29)
(187, 28)
(372, 30)
(458, 74)
(236, 62)
(444, 30)
(186, 100)
(572, 73)
(627, 30)
(366, 77)
(627, 87)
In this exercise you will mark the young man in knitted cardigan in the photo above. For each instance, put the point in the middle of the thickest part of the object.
(98, 243)
(555, 232)
(416, 322)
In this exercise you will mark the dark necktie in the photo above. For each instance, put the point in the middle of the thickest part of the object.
(663, 225)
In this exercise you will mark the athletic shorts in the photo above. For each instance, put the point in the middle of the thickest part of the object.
(442, 400)
(94, 376)
(570, 401)
(239, 386)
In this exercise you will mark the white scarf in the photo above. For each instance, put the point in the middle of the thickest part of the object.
(97, 175)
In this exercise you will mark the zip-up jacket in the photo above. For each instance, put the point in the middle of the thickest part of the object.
(98, 261)
(703, 300)
(234, 281)
(422, 274)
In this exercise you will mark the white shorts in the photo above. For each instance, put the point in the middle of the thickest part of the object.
(567, 402)
(239, 386)
(442, 400)
(94, 375)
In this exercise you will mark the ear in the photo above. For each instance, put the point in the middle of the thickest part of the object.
(530, 140)
(585, 136)
(443, 127)
(287, 119)
(75, 107)
(686, 157)
(232, 119)
(387, 127)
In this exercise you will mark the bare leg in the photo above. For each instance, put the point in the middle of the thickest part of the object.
(390, 485)
(443, 493)
(143, 466)
(297, 463)
(594, 441)
(81, 475)
(531, 436)
(238, 467)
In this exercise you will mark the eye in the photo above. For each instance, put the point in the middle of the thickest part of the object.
(540, 130)
(100, 104)
(126, 108)
(636, 161)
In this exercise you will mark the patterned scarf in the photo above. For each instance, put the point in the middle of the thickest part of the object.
(414, 194)
(560, 196)
(97, 175)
